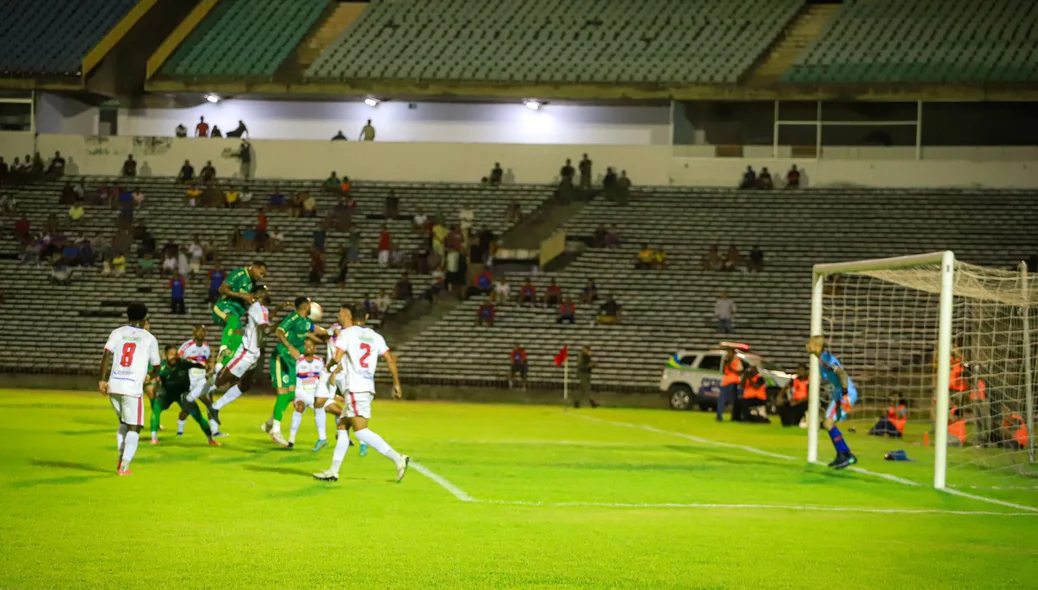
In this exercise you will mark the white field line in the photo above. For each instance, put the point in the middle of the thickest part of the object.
(546, 443)
(458, 492)
(749, 449)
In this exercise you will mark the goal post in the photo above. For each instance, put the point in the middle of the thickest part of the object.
(950, 340)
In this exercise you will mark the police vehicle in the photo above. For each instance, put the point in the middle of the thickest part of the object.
(693, 377)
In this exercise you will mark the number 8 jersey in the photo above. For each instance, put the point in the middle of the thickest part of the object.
(134, 351)
(363, 347)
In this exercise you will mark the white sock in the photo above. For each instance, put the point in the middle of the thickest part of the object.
(120, 436)
(341, 446)
(376, 442)
(214, 426)
(275, 426)
(322, 424)
(130, 447)
(297, 419)
(154, 436)
(180, 425)
(229, 396)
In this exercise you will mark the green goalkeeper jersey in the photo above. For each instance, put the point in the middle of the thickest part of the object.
(175, 379)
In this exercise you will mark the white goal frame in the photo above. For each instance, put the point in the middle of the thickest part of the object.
(946, 260)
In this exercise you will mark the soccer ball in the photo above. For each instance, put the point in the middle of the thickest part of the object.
(316, 311)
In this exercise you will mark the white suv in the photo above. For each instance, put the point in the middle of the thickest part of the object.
(693, 377)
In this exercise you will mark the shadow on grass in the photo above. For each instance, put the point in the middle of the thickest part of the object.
(93, 432)
(70, 479)
(280, 470)
(70, 465)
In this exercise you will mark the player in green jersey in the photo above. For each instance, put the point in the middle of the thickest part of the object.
(292, 333)
(235, 298)
(175, 379)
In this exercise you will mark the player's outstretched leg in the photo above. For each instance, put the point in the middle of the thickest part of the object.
(844, 457)
(342, 445)
(373, 440)
(156, 413)
(273, 426)
(321, 422)
(297, 420)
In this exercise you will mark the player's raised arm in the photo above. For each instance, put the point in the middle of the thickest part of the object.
(227, 291)
(391, 363)
(283, 339)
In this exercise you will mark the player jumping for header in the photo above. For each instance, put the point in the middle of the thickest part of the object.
(845, 395)
(292, 332)
(358, 350)
(130, 358)
(235, 298)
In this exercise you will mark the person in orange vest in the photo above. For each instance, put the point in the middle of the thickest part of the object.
(958, 384)
(754, 395)
(956, 427)
(1014, 430)
(893, 424)
(792, 401)
(732, 367)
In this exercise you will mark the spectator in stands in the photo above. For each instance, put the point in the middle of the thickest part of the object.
(754, 395)
(37, 168)
(68, 195)
(216, 132)
(308, 205)
(244, 155)
(793, 178)
(216, 276)
(519, 366)
(316, 266)
(482, 284)
(339, 136)
(176, 294)
(585, 367)
(195, 254)
(56, 168)
(119, 264)
(660, 261)
(332, 183)
(514, 212)
(76, 213)
(567, 312)
(5, 171)
(712, 260)
(382, 303)
(645, 259)
(61, 274)
(277, 200)
(241, 131)
(147, 241)
(353, 245)
(52, 226)
(485, 314)
(138, 198)
(8, 204)
(344, 265)
(566, 173)
(527, 293)
(275, 240)
(764, 181)
(585, 173)
(404, 290)
(609, 182)
(193, 196)
(733, 259)
(202, 129)
(756, 262)
(552, 294)
(610, 312)
(612, 237)
(180, 131)
(623, 186)
(496, 174)
(590, 292)
(145, 264)
(749, 179)
(368, 132)
(169, 263)
(208, 174)
(502, 291)
(231, 197)
(130, 166)
(385, 244)
(724, 313)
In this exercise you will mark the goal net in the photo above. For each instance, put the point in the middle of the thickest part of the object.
(942, 354)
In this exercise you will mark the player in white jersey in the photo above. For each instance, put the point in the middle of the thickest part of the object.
(130, 359)
(236, 377)
(197, 352)
(358, 349)
(310, 373)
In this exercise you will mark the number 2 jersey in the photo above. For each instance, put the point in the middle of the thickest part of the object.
(134, 352)
(363, 347)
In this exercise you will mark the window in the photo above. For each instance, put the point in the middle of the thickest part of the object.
(710, 362)
(687, 361)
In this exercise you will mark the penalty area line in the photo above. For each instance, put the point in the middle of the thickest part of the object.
(442, 481)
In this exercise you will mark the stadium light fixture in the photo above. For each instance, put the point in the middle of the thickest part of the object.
(371, 102)
(533, 105)
(213, 98)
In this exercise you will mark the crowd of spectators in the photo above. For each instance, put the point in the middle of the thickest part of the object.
(732, 259)
(764, 180)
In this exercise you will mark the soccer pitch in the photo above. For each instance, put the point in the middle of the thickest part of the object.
(498, 497)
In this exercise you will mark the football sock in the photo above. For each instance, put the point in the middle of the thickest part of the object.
(376, 442)
(297, 419)
(322, 424)
(341, 446)
(156, 412)
(229, 396)
(838, 442)
(196, 413)
(120, 436)
(281, 404)
(130, 447)
(180, 425)
(275, 426)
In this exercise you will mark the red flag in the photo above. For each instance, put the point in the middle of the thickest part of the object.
(562, 356)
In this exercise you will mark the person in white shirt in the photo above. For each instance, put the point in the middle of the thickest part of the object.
(310, 374)
(196, 252)
(131, 357)
(502, 291)
(724, 313)
(197, 352)
(358, 349)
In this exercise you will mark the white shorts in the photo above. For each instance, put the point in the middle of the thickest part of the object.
(242, 361)
(358, 404)
(130, 410)
(327, 390)
(198, 384)
(305, 396)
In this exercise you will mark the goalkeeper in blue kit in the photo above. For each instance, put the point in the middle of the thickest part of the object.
(845, 395)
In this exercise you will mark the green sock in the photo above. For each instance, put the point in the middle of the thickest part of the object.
(156, 411)
(196, 413)
(281, 404)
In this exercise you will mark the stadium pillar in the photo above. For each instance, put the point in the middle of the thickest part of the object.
(944, 341)
(1028, 383)
(818, 130)
(919, 130)
(775, 133)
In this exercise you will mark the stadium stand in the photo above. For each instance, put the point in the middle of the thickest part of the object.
(244, 38)
(924, 41)
(671, 309)
(94, 302)
(52, 37)
(597, 41)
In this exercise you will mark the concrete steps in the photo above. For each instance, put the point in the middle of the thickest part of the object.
(799, 34)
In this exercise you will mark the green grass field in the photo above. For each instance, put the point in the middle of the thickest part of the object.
(531, 496)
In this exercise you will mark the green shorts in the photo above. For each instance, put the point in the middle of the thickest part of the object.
(282, 372)
(230, 339)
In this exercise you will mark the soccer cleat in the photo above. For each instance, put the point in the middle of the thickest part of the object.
(266, 427)
(363, 449)
(213, 442)
(320, 445)
(180, 434)
(278, 438)
(122, 472)
(154, 441)
(328, 475)
(848, 460)
(220, 434)
(401, 468)
(291, 445)
(837, 459)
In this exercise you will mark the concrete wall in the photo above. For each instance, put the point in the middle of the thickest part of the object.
(434, 122)
(467, 162)
(57, 113)
(15, 144)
